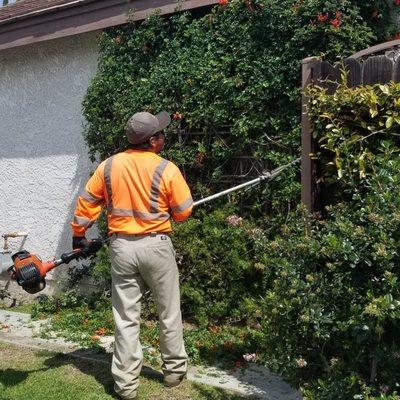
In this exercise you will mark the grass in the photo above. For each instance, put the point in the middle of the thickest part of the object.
(85, 321)
(27, 374)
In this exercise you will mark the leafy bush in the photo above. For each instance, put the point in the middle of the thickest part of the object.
(332, 302)
(218, 271)
(232, 75)
(219, 275)
(352, 128)
(322, 295)
(331, 310)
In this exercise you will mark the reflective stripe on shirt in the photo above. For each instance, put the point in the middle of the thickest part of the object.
(107, 181)
(90, 198)
(155, 186)
(146, 216)
(183, 206)
(82, 221)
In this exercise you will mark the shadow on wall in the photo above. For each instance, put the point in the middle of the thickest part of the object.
(60, 274)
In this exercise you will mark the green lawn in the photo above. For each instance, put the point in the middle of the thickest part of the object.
(26, 374)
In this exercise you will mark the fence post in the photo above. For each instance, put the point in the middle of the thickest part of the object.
(311, 71)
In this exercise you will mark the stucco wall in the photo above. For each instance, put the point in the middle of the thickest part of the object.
(43, 158)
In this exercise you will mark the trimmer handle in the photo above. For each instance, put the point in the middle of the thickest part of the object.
(93, 247)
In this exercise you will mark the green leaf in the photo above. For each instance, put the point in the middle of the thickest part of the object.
(384, 89)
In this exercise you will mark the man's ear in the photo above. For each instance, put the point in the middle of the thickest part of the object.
(152, 141)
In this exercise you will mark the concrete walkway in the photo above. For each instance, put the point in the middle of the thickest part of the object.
(254, 380)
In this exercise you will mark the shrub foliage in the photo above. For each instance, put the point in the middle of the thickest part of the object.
(232, 75)
(322, 295)
(332, 304)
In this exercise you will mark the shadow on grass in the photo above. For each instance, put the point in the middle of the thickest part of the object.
(11, 377)
(96, 365)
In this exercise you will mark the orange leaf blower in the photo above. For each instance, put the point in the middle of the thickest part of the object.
(30, 272)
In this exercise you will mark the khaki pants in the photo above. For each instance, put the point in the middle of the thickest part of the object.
(137, 262)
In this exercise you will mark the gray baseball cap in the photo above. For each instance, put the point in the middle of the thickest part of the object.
(142, 125)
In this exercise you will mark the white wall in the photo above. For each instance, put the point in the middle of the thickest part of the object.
(43, 158)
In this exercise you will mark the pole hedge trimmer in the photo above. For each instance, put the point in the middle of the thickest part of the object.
(30, 272)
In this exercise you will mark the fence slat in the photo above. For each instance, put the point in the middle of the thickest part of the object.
(329, 77)
(354, 71)
(311, 73)
(396, 71)
(377, 69)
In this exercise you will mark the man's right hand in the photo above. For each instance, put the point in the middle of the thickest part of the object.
(79, 242)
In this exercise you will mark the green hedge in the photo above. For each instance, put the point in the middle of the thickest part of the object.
(232, 74)
(322, 294)
(220, 274)
(331, 310)
(332, 302)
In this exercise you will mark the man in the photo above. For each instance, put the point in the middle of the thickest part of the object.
(141, 192)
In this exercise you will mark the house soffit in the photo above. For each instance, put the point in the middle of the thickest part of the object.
(28, 8)
(56, 19)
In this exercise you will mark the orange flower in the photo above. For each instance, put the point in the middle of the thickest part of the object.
(100, 332)
(222, 2)
(176, 116)
(228, 345)
(336, 22)
(214, 329)
(322, 17)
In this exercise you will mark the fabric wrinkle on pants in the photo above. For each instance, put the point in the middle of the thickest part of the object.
(138, 262)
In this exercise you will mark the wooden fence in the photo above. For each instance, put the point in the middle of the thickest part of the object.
(377, 64)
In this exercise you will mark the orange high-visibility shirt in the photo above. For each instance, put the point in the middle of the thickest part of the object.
(141, 192)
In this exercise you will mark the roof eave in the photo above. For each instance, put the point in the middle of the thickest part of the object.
(85, 17)
(42, 11)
